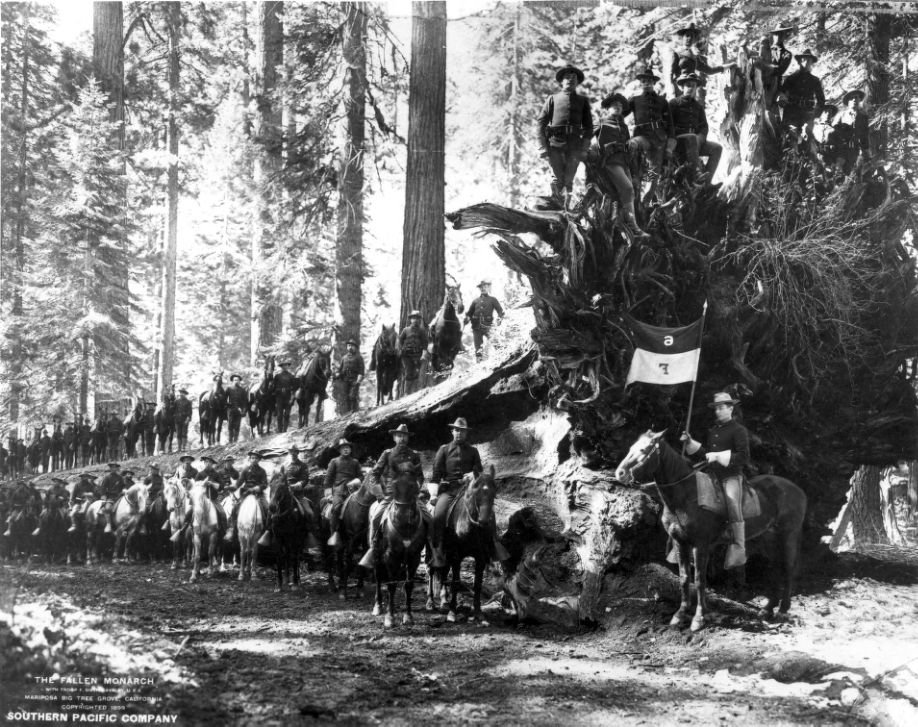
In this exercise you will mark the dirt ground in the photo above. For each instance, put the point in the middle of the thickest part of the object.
(224, 652)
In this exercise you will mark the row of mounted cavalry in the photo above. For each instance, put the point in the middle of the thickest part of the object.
(299, 522)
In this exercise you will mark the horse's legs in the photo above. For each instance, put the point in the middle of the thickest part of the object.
(431, 576)
(451, 614)
(280, 562)
(320, 410)
(390, 606)
(408, 618)
(377, 601)
(196, 557)
(685, 578)
(701, 585)
(476, 594)
(791, 554)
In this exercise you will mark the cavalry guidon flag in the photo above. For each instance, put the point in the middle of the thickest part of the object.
(664, 355)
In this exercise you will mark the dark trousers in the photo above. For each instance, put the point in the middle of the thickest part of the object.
(564, 163)
(181, 432)
(479, 334)
(233, 421)
(653, 149)
(282, 410)
(445, 496)
(690, 147)
(339, 495)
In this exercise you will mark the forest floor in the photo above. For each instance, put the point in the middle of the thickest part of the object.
(225, 652)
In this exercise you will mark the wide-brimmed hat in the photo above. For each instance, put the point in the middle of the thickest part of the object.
(127, 473)
(228, 458)
(855, 93)
(690, 29)
(88, 475)
(351, 342)
(646, 73)
(722, 397)
(613, 98)
(806, 54)
(208, 458)
(254, 453)
(688, 78)
(831, 108)
(415, 314)
(235, 377)
(782, 29)
(562, 72)
(344, 443)
(186, 458)
(154, 466)
(460, 423)
(218, 377)
(59, 481)
(293, 448)
(285, 362)
(114, 464)
(483, 282)
(400, 429)
(183, 391)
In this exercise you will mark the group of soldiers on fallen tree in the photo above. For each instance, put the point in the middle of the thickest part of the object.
(677, 128)
(454, 465)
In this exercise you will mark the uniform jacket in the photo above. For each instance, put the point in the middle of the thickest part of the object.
(651, 116)
(285, 383)
(341, 470)
(393, 460)
(295, 472)
(188, 472)
(226, 475)
(612, 139)
(566, 121)
(254, 474)
(237, 396)
(155, 483)
(688, 116)
(851, 128)
(351, 367)
(454, 460)
(804, 91)
(412, 341)
(114, 427)
(780, 59)
(731, 436)
(481, 311)
(81, 489)
(111, 485)
(182, 409)
(691, 63)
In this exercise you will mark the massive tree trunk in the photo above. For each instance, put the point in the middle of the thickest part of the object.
(879, 31)
(866, 515)
(170, 248)
(349, 247)
(423, 255)
(267, 313)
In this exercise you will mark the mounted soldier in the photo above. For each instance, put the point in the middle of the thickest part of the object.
(226, 473)
(84, 492)
(237, 403)
(727, 451)
(565, 129)
(653, 125)
(185, 470)
(252, 480)
(285, 385)
(214, 483)
(341, 471)
(154, 482)
(481, 315)
(350, 373)
(182, 418)
(690, 125)
(400, 458)
(111, 488)
(412, 341)
(803, 98)
(209, 471)
(616, 156)
(295, 473)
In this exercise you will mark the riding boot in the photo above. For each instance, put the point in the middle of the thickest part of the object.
(556, 192)
(73, 527)
(334, 521)
(736, 552)
(266, 539)
(177, 535)
(636, 232)
(369, 558)
(37, 531)
(231, 530)
(110, 525)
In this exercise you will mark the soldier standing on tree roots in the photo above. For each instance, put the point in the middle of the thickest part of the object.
(481, 315)
(350, 373)
(182, 417)
(565, 130)
(653, 125)
(727, 451)
(690, 125)
(803, 98)
(284, 385)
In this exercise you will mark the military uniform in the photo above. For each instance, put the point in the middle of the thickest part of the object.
(57, 448)
(186, 471)
(68, 440)
(226, 475)
(149, 429)
(351, 371)
(84, 490)
(342, 470)
(182, 418)
(690, 125)
(237, 403)
(653, 125)
(565, 128)
(252, 480)
(481, 315)
(155, 483)
(804, 98)
(410, 346)
(114, 431)
(851, 137)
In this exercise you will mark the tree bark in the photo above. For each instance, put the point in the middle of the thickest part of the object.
(349, 247)
(879, 31)
(267, 315)
(423, 255)
(170, 249)
(866, 515)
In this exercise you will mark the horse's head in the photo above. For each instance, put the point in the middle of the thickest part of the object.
(453, 296)
(405, 513)
(480, 497)
(323, 360)
(388, 338)
(643, 455)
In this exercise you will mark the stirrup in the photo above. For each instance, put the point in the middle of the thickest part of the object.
(334, 540)
(36, 532)
(265, 540)
(72, 529)
(166, 526)
(109, 528)
(369, 558)
(177, 535)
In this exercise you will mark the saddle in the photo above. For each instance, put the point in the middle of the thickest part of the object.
(711, 497)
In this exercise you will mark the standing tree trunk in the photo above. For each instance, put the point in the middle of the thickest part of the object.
(423, 255)
(866, 515)
(267, 315)
(170, 248)
(879, 30)
(349, 247)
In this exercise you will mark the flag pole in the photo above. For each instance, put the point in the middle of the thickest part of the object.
(691, 401)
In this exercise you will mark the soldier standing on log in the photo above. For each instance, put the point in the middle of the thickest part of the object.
(565, 130)
(182, 418)
(690, 124)
(113, 430)
(803, 99)
(57, 444)
(688, 57)
(616, 155)
(727, 451)
(481, 315)
(237, 402)
(412, 341)
(285, 384)
(350, 373)
(400, 458)
(653, 125)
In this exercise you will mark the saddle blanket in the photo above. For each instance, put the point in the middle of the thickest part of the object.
(711, 497)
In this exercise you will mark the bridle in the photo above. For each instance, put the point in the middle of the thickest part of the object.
(655, 450)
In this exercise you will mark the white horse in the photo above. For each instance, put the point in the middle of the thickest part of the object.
(177, 505)
(250, 524)
(204, 528)
(128, 520)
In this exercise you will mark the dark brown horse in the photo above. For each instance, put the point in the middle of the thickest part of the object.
(212, 412)
(469, 533)
(445, 331)
(314, 386)
(384, 361)
(775, 533)
(403, 534)
(261, 401)
(287, 523)
(352, 528)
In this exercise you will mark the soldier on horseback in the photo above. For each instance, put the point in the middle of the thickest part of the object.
(212, 478)
(186, 471)
(111, 486)
(481, 315)
(285, 384)
(295, 473)
(252, 480)
(237, 403)
(19, 500)
(342, 470)
(182, 417)
(227, 474)
(410, 347)
(84, 491)
(350, 372)
(400, 458)
(727, 451)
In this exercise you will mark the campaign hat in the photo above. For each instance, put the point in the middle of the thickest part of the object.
(690, 30)
(562, 72)
(807, 54)
(460, 423)
(851, 94)
(647, 73)
(612, 98)
(415, 314)
(344, 443)
(688, 78)
(400, 429)
(186, 457)
(722, 397)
